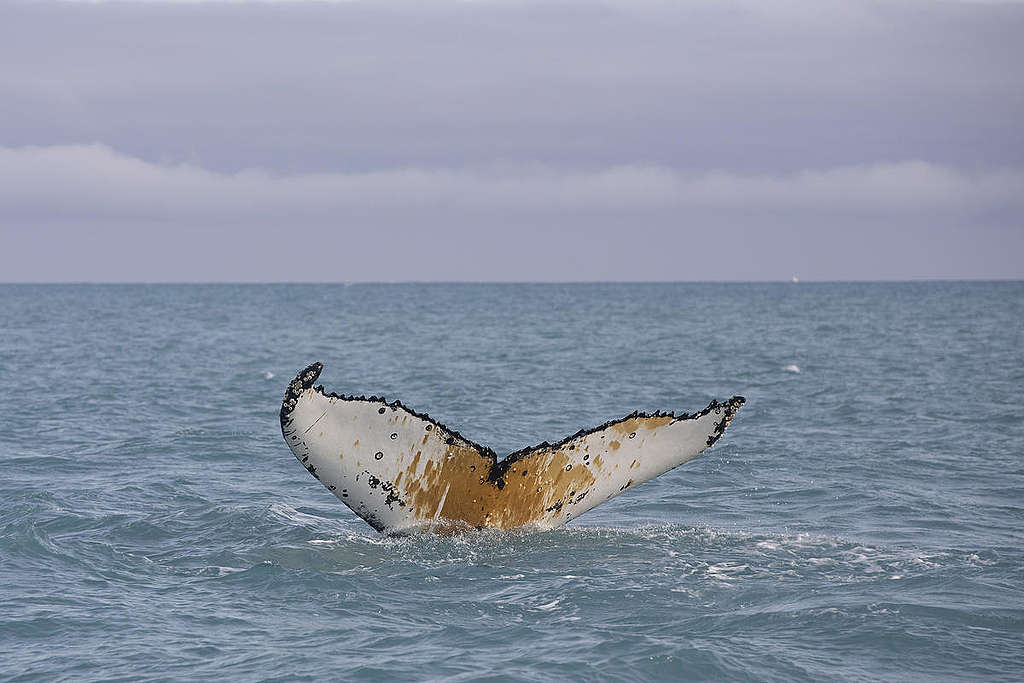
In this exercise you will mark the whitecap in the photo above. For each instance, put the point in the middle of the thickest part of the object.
(224, 571)
(289, 513)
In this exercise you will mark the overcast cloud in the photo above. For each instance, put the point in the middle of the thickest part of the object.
(511, 140)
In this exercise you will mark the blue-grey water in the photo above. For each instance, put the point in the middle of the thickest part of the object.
(861, 520)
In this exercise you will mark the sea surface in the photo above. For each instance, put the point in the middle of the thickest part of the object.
(861, 519)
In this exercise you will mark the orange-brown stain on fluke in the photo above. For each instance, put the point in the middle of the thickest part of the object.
(630, 426)
(531, 486)
(534, 489)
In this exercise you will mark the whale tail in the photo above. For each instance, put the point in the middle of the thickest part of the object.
(402, 471)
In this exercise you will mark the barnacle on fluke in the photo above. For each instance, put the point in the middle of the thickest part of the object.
(402, 471)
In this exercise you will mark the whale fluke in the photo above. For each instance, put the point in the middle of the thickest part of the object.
(402, 471)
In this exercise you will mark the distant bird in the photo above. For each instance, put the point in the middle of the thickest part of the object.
(401, 471)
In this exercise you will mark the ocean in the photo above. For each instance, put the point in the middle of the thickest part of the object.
(860, 520)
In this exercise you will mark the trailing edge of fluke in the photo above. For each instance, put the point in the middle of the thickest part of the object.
(401, 471)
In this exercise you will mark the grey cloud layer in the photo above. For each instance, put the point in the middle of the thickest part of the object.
(94, 182)
(744, 86)
(511, 140)
(87, 213)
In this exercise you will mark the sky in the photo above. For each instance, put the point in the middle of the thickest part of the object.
(511, 140)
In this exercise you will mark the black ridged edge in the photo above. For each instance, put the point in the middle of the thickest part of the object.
(308, 376)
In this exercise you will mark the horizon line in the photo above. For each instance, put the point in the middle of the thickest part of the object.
(505, 282)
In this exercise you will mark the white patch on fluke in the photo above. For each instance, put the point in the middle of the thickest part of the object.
(402, 471)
